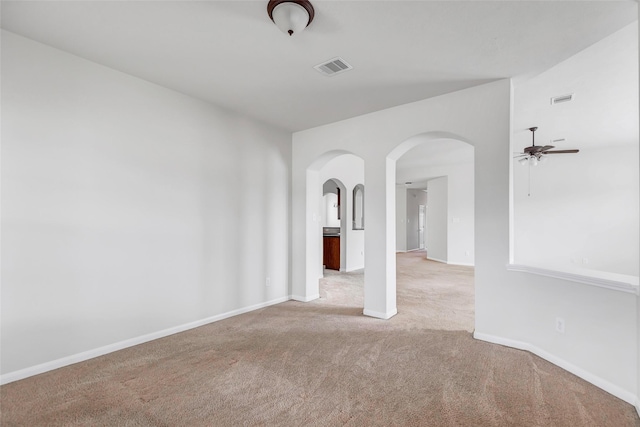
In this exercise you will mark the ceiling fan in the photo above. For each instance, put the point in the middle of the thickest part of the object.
(537, 153)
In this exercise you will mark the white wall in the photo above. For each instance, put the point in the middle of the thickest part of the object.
(600, 342)
(582, 212)
(401, 218)
(349, 170)
(128, 209)
(578, 207)
(461, 205)
(583, 209)
(437, 219)
(415, 198)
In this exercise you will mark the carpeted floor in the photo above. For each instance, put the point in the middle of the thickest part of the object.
(323, 364)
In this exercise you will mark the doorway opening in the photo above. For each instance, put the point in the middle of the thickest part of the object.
(434, 180)
(422, 224)
(334, 236)
(340, 170)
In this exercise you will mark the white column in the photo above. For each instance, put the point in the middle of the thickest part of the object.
(380, 240)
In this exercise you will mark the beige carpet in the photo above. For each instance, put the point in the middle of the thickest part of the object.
(323, 364)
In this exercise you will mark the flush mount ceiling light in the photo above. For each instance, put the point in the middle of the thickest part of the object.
(291, 16)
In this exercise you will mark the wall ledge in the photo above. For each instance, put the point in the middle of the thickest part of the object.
(101, 351)
(605, 385)
(612, 281)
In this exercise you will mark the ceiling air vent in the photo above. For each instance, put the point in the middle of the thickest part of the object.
(558, 141)
(560, 99)
(333, 67)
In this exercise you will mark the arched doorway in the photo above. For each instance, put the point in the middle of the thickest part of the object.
(435, 202)
(347, 169)
(334, 225)
(390, 217)
(435, 181)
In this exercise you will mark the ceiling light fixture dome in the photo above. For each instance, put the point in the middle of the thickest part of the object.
(291, 16)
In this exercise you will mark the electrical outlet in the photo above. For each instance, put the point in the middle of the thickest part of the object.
(560, 325)
(268, 281)
(467, 253)
(585, 261)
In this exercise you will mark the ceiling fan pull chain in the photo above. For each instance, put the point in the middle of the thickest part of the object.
(529, 181)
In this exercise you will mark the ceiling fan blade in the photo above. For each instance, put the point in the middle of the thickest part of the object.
(520, 155)
(547, 147)
(561, 151)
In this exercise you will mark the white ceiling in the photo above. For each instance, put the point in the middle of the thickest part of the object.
(230, 53)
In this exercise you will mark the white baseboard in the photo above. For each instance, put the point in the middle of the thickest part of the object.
(380, 315)
(463, 264)
(90, 354)
(587, 376)
(305, 299)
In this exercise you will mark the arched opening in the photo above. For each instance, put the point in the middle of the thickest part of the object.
(434, 201)
(437, 179)
(343, 170)
(334, 225)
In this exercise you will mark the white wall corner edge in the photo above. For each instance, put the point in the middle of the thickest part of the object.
(605, 385)
(638, 406)
(101, 351)
(379, 314)
(305, 299)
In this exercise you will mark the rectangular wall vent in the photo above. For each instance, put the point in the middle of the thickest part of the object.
(560, 99)
(333, 67)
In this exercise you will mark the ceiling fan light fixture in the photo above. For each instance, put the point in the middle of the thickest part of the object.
(524, 161)
(290, 16)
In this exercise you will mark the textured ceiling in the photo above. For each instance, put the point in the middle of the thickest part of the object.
(230, 53)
